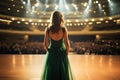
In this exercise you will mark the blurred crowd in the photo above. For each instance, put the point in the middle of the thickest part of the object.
(21, 47)
(104, 47)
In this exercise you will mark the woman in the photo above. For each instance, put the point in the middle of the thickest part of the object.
(57, 46)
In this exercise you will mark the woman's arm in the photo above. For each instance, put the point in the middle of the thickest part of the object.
(46, 41)
(66, 41)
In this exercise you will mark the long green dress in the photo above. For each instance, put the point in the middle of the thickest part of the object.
(57, 65)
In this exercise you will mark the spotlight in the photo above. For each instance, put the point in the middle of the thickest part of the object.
(23, 19)
(13, 18)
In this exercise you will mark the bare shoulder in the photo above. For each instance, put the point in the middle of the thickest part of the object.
(47, 29)
(64, 29)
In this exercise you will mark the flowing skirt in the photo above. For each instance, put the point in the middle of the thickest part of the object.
(57, 66)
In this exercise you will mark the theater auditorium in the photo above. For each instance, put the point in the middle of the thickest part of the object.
(93, 30)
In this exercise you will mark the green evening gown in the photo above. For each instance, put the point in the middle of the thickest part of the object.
(57, 65)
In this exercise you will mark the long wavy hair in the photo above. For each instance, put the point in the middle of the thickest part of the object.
(56, 21)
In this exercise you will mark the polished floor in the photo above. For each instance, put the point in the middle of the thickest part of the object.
(84, 67)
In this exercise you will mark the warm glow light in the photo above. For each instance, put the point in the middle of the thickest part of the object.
(67, 24)
(48, 20)
(110, 18)
(39, 20)
(106, 21)
(13, 5)
(13, 18)
(47, 6)
(26, 23)
(70, 24)
(30, 20)
(68, 20)
(18, 10)
(101, 19)
(26, 37)
(86, 20)
(76, 20)
(37, 4)
(90, 23)
(23, 19)
(98, 37)
(97, 2)
(22, 7)
(41, 24)
(9, 9)
(93, 19)
(85, 4)
(98, 22)
(18, 22)
(24, 2)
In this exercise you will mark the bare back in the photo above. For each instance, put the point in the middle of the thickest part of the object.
(56, 36)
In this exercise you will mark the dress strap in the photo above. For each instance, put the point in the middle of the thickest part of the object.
(63, 29)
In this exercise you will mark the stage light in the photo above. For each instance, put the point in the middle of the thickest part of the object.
(94, 11)
(18, 10)
(32, 23)
(42, 24)
(75, 24)
(13, 5)
(93, 19)
(86, 13)
(45, 24)
(26, 23)
(35, 24)
(110, 18)
(24, 2)
(13, 18)
(98, 37)
(23, 19)
(90, 23)
(68, 20)
(47, 6)
(28, 5)
(56, 7)
(18, 22)
(70, 24)
(86, 20)
(85, 4)
(62, 6)
(30, 20)
(39, 20)
(48, 20)
(100, 9)
(76, 20)
(106, 21)
(67, 24)
(37, 4)
(22, 7)
(81, 24)
(66, 6)
(97, 2)
(101, 19)
(78, 24)
(98, 22)
(9, 9)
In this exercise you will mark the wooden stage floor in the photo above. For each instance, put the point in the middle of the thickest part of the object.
(84, 67)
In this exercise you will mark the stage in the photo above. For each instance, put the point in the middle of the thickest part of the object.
(84, 67)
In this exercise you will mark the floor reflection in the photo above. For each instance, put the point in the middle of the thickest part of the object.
(84, 67)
